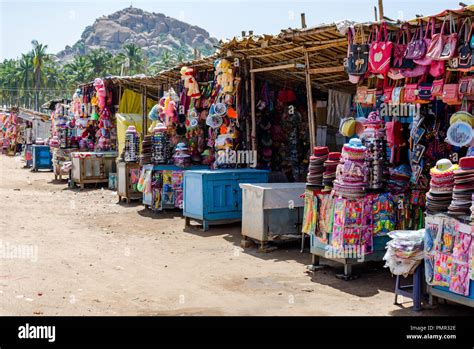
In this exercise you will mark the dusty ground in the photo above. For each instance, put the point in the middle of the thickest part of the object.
(97, 257)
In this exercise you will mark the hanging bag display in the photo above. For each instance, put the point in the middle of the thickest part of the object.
(451, 92)
(397, 95)
(437, 88)
(399, 60)
(464, 49)
(380, 52)
(416, 48)
(450, 46)
(361, 94)
(437, 68)
(437, 42)
(424, 90)
(466, 86)
(410, 93)
(426, 60)
(358, 55)
(387, 90)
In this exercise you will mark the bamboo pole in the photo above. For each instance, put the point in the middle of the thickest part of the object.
(252, 107)
(309, 92)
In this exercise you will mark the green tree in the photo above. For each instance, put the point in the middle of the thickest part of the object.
(100, 62)
(79, 70)
(39, 57)
(25, 73)
(131, 59)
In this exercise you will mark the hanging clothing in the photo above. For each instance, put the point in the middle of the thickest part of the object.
(339, 106)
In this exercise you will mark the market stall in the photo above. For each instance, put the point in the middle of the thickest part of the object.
(412, 106)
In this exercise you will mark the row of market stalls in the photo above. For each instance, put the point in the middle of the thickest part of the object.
(331, 134)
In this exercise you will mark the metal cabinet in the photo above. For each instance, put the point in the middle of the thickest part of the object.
(214, 196)
(272, 211)
(41, 158)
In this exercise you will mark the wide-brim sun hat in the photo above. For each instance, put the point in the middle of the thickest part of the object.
(193, 123)
(214, 121)
(462, 116)
(348, 127)
(220, 109)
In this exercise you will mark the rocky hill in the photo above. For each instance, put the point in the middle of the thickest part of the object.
(155, 33)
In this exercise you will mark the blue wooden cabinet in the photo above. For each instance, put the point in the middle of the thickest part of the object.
(215, 195)
(41, 158)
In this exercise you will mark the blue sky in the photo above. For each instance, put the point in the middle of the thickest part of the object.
(60, 23)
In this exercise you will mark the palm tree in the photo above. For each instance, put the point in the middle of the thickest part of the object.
(9, 81)
(100, 61)
(39, 56)
(25, 73)
(131, 58)
(79, 70)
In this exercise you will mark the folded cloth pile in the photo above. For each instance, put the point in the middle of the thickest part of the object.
(316, 166)
(351, 173)
(330, 166)
(404, 251)
(439, 197)
(463, 188)
(399, 181)
(145, 156)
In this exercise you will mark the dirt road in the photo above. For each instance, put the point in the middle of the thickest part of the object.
(89, 255)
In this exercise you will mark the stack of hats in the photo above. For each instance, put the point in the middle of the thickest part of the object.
(181, 155)
(439, 197)
(131, 148)
(351, 173)
(373, 137)
(399, 181)
(145, 156)
(374, 162)
(330, 166)
(463, 187)
(160, 145)
(316, 166)
(472, 207)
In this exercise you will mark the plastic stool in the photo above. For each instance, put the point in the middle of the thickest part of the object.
(414, 292)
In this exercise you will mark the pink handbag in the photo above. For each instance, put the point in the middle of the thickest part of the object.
(419, 70)
(416, 48)
(437, 88)
(437, 68)
(380, 52)
(426, 60)
(442, 46)
(410, 93)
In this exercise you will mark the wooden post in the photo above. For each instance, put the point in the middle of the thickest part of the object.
(309, 93)
(143, 91)
(247, 104)
(381, 10)
(375, 13)
(303, 21)
(252, 107)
